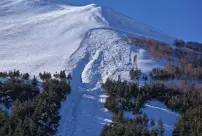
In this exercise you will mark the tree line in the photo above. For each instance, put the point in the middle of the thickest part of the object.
(124, 96)
(138, 126)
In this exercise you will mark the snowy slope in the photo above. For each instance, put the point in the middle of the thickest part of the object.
(51, 35)
(34, 41)
(158, 111)
(48, 32)
(103, 53)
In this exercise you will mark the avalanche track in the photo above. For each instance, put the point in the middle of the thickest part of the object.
(88, 41)
(101, 54)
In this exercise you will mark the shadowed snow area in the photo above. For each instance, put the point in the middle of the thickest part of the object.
(158, 111)
(51, 35)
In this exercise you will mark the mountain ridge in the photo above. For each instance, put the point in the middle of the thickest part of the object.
(108, 14)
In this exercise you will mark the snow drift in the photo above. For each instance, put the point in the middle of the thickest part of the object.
(52, 35)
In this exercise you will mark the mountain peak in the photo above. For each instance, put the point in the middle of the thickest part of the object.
(101, 15)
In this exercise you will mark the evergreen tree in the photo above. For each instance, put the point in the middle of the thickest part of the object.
(161, 128)
(152, 123)
(25, 76)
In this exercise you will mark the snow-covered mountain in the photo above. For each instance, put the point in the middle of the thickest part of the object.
(52, 35)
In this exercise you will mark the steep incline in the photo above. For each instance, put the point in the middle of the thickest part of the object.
(43, 37)
(51, 35)
(103, 53)
(47, 32)
(100, 55)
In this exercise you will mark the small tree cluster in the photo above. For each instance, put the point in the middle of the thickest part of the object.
(179, 43)
(161, 74)
(194, 46)
(13, 89)
(184, 70)
(120, 95)
(61, 75)
(132, 127)
(135, 74)
(189, 123)
(138, 41)
(25, 76)
(45, 75)
(14, 74)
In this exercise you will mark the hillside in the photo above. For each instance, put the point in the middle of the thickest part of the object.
(88, 41)
(43, 30)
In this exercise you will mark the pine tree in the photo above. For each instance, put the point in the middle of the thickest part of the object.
(34, 81)
(154, 132)
(69, 77)
(3, 117)
(161, 128)
(152, 123)
(62, 74)
(25, 76)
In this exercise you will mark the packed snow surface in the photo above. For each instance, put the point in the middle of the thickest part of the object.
(51, 35)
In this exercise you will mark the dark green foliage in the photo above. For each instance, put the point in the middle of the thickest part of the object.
(27, 127)
(3, 74)
(16, 88)
(25, 76)
(127, 127)
(179, 43)
(154, 132)
(160, 74)
(58, 86)
(135, 74)
(111, 104)
(61, 75)
(161, 128)
(194, 46)
(120, 95)
(145, 78)
(200, 61)
(190, 124)
(152, 123)
(3, 117)
(69, 76)
(48, 104)
(11, 74)
(45, 75)
(130, 97)
(34, 81)
(34, 113)
(185, 101)
(130, 127)
(14, 74)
